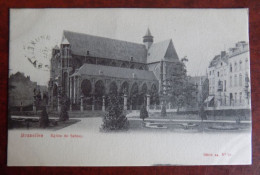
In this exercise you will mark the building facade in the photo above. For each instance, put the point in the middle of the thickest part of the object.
(229, 77)
(200, 92)
(87, 68)
(22, 91)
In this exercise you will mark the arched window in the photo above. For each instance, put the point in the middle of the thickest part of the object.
(230, 67)
(86, 87)
(113, 88)
(113, 63)
(141, 68)
(240, 79)
(123, 65)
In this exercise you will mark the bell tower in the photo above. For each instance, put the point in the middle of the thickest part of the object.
(148, 39)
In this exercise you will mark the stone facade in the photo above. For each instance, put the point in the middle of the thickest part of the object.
(87, 68)
(229, 77)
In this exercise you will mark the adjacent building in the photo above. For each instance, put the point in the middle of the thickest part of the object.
(22, 91)
(229, 77)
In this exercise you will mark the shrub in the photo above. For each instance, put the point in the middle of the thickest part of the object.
(163, 111)
(114, 119)
(44, 119)
(202, 113)
(144, 113)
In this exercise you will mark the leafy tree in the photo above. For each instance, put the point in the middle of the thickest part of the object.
(205, 90)
(65, 102)
(163, 111)
(114, 119)
(177, 86)
(202, 113)
(143, 112)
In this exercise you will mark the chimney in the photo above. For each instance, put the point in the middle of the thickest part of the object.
(223, 54)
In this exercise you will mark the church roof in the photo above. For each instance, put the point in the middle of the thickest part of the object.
(56, 47)
(162, 51)
(115, 72)
(82, 44)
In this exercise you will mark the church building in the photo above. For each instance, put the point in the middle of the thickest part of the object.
(87, 68)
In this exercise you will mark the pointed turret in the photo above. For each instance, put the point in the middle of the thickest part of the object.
(148, 39)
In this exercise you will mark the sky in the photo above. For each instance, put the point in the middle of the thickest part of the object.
(199, 34)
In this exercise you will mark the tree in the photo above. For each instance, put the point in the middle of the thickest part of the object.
(65, 102)
(114, 119)
(44, 119)
(202, 113)
(163, 111)
(143, 112)
(177, 86)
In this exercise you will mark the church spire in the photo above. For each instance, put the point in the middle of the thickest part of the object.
(148, 39)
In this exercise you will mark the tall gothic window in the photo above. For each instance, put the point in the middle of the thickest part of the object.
(235, 66)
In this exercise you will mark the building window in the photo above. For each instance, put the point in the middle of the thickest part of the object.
(230, 81)
(246, 63)
(235, 98)
(240, 80)
(235, 81)
(123, 65)
(230, 67)
(218, 74)
(235, 66)
(240, 65)
(221, 64)
(240, 97)
(225, 84)
(141, 68)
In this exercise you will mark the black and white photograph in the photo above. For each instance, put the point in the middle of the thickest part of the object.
(129, 87)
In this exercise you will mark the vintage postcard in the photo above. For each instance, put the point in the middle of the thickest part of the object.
(129, 87)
